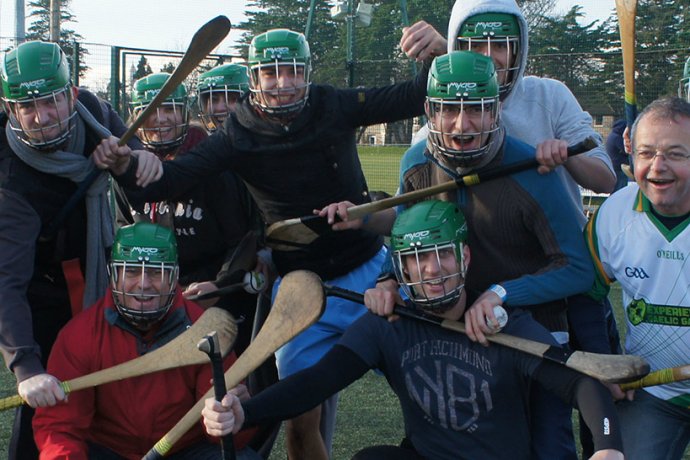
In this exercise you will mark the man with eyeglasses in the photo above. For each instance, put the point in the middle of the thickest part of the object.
(640, 237)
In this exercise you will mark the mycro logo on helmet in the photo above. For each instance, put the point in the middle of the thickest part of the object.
(462, 86)
(150, 93)
(147, 251)
(33, 83)
(276, 52)
(488, 25)
(212, 80)
(410, 236)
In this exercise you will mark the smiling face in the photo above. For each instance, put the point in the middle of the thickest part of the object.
(143, 292)
(430, 257)
(215, 105)
(436, 274)
(280, 87)
(661, 148)
(44, 121)
(164, 126)
(143, 273)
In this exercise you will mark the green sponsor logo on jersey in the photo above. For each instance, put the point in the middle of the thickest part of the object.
(639, 311)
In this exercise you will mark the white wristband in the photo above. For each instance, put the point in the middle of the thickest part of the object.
(499, 291)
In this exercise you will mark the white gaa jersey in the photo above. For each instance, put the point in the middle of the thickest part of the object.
(652, 264)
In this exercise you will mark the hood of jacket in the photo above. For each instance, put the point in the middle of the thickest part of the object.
(464, 9)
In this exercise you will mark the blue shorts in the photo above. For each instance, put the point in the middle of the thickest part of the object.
(309, 346)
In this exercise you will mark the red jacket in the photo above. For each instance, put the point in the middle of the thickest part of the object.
(127, 416)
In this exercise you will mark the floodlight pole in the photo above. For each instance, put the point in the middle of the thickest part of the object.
(310, 19)
(350, 22)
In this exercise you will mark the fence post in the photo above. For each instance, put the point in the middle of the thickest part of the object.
(75, 63)
(114, 79)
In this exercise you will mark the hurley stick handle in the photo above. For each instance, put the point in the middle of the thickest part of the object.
(359, 211)
(660, 377)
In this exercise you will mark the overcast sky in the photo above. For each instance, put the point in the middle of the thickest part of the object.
(159, 25)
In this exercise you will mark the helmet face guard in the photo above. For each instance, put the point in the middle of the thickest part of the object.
(45, 121)
(275, 57)
(427, 241)
(462, 107)
(143, 273)
(500, 35)
(132, 282)
(462, 148)
(167, 128)
(37, 94)
(218, 91)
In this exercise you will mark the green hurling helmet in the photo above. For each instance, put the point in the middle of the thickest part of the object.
(427, 244)
(684, 84)
(270, 53)
(217, 92)
(496, 33)
(37, 94)
(169, 128)
(462, 107)
(143, 273)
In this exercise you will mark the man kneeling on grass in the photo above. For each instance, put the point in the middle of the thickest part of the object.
(142, 311)
(459, 399)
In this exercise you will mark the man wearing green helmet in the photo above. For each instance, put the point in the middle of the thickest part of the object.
(539, 111)
(293, 142)
(209, 219)
(166, 129)
(218, 91)
(524, 220)
(459, 399)
(55, 248)
(684, 83)
(142, 310)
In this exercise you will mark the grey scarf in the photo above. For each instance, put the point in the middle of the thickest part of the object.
(76, 167)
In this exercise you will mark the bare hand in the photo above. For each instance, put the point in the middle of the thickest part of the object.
(109, 155)
(149, 168)
(225, 417)
(241, 391)
(607, 454)
(476, 317)
(619, 394)
(421, 41)
(335, 211)
(382, 299)
(551, 153)
(41, 390)
(202, 288)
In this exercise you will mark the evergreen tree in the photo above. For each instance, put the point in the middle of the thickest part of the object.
(143, 69)
(40, 29)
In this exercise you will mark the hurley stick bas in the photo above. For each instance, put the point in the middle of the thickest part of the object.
(299, 304)
(180, 351)
(291, 234)
(607, 368)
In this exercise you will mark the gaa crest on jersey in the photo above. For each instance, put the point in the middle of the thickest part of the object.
(636, 311)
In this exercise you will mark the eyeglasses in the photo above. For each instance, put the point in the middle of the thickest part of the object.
(673, 156)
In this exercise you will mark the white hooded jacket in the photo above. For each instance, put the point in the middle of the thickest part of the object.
(535, 109)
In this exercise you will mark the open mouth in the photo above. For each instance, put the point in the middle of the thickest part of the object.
(658, 181)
